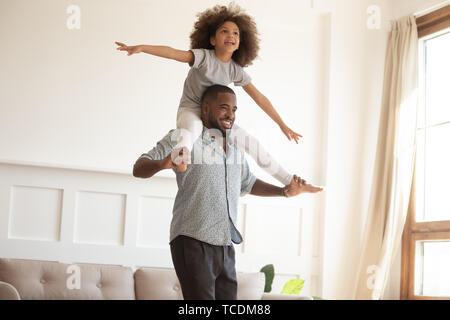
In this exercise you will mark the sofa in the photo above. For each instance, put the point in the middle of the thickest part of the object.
(47, 280)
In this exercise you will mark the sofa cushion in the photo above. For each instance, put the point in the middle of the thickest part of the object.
(157, 284)
(163, 284)
(250, 285)
(8, 292)
(46, 280)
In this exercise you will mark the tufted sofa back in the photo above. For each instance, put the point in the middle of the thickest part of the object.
(157, 284)
(46, 280)
(163, 284)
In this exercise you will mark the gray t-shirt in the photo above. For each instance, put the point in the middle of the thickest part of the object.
(206, 71)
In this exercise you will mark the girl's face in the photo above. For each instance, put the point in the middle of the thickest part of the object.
(226, 37)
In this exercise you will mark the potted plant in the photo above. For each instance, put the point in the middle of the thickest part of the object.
(293, 286)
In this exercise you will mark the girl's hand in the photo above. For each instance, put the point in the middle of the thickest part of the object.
(131, 50)
(290, 134)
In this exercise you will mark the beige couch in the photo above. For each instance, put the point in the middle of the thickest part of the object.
(46, 280)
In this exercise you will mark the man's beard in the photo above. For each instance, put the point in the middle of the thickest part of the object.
(214, 124)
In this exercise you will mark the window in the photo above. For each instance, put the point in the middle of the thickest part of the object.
(426, 237)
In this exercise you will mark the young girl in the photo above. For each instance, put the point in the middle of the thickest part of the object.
(223, 42)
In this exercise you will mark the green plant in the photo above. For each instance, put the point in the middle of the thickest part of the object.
(269, 273)
(293, 286)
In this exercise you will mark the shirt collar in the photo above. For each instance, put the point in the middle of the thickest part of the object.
(209, 136)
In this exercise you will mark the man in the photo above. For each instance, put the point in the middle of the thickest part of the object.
(202, 230)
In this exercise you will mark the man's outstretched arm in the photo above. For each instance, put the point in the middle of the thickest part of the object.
(296, 187)
(146, 168)
(159, 158)
(264, 189)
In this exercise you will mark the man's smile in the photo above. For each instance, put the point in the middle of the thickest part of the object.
(227, 123)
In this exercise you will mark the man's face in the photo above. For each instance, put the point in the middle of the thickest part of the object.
(221, 112)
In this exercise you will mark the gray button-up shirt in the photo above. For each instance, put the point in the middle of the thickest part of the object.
(206, 203)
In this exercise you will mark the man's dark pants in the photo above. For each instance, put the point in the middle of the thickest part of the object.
(205, 271)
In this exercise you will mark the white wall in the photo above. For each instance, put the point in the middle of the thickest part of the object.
(401, 8)
(356, 77)
(356, 80)
(70, 99)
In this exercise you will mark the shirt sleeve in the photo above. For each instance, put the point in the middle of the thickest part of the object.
(248, 179)
(163, 148)
(242, 78)
(200, 57)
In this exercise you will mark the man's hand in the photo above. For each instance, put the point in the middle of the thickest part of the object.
(298, 186)
(130, 49)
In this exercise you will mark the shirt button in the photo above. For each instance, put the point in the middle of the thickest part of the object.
(176, 287)
(99, 285)
(43, 281)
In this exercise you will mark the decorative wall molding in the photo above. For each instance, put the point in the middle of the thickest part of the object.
(77, 216)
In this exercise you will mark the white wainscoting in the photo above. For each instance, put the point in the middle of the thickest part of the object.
(81, 216)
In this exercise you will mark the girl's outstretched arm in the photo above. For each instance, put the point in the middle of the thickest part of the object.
(160, 51)
(268, 108)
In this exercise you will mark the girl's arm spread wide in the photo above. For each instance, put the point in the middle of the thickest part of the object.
(160, 51)
(264, 103)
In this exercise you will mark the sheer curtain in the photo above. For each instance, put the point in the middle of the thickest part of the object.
(392, 180)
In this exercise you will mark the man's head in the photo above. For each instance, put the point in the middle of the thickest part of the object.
(218, 107)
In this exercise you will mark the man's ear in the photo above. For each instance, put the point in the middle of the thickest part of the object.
(204, 110)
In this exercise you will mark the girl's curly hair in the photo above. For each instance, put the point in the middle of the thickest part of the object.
(211, 19)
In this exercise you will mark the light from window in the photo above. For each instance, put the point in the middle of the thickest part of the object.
(433, 138)
(432, 270)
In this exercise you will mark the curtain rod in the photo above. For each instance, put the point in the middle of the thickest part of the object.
(433, 8)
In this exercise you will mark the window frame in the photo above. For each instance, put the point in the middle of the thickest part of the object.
(433, 22)
(429, 26)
